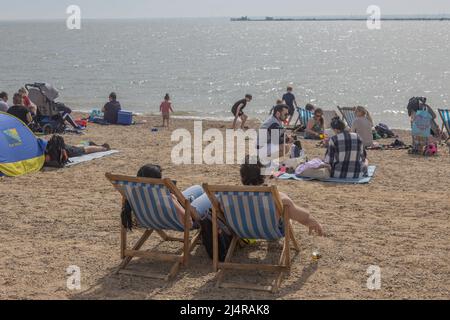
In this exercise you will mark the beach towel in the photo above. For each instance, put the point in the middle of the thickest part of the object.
(89, 157)
(363, 180)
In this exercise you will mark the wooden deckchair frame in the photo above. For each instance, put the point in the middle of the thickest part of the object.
(284, 263)
(342, 111)
(128, 254)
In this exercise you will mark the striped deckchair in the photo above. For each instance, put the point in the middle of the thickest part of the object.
(349, 115)
(303, 117)
(445, 116)
(154, 209)
(250, 213)
(329, 115)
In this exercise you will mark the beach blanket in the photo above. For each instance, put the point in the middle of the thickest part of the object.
(363, 180)
(89, 157)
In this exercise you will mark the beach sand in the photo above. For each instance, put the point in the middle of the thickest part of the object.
(55, 219)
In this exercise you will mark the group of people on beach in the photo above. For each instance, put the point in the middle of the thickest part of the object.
(346, 155)
(22, 107)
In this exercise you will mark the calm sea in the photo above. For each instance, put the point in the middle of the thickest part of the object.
(207, 64)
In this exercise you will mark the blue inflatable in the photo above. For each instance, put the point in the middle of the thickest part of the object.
(21, 152)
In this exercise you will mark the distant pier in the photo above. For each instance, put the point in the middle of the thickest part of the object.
(245, 18)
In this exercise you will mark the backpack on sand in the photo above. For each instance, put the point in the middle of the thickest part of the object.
(384, 131)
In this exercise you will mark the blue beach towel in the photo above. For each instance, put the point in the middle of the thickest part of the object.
(363, 180)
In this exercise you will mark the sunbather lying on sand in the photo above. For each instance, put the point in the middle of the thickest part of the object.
(58, 152)
(251, 176)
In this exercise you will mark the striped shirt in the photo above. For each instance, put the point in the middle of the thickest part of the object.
(346, 156)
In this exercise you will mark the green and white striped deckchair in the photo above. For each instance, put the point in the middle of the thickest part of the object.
(154, 209)
(251, 213)
(303, 116)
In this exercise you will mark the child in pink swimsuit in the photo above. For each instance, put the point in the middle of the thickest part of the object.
(166, 109)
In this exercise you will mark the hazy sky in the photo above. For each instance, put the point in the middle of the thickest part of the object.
(55, 9)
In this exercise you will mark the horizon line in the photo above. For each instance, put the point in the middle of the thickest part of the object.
(393, 15)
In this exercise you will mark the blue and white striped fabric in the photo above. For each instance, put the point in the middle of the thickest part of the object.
(349, 115)
(445, 115)
(251, 215)
(304, 115)
(152, 204)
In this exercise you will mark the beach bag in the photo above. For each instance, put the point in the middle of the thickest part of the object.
(431, 150)
(384, 131)
(421, 125)
(95, 114)
(224, 236)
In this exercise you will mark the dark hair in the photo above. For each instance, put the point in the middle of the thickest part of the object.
(55, 150)
(279, 108)
(290, 88)
(113, 96)
(337, 124)
(251, 172)
(167, 97)
(322, 121)
(249, 96)
(310, 107)
(148, 171)
(3, 95)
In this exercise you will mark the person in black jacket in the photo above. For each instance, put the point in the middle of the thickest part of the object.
(111, 109)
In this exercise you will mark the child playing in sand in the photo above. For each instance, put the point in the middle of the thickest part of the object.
(166, 109)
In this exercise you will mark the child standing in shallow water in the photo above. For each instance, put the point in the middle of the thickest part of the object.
(166, 109)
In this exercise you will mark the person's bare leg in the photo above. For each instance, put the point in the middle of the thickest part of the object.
(235, 123)
(94, 149)
(300, 215)
(244, 118)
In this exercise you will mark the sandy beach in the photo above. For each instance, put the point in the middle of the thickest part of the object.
(399, 222)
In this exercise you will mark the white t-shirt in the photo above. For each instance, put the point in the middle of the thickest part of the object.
(3, 106)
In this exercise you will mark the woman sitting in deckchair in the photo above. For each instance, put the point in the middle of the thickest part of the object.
(195, 194)
(251, 176)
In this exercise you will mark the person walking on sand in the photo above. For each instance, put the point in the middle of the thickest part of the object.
(166, 108)
(238, 112)
(289, 100)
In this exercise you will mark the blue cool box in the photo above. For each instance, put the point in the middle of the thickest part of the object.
(125, 118)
